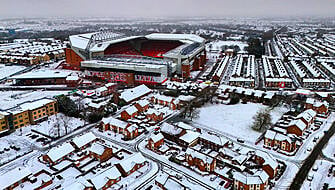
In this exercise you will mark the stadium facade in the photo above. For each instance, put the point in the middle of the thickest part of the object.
(148, 59)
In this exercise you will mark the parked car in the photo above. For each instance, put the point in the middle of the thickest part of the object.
(310, 176)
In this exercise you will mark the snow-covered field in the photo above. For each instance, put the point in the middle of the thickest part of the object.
(7, 153)
(329, 150)
(59, 121)
(6, 71)
(235, 120)
(218, 44)
(320, 173)
(9, 99)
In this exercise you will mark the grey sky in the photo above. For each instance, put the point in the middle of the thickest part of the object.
(165, 8)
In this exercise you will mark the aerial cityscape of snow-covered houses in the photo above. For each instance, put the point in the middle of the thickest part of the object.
(196, 107)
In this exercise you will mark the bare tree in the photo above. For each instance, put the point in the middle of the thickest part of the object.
(262, 120)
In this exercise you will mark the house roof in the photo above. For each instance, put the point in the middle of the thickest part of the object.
(132, 128)
(83, 140)
(163, 97)
(40, 74)
(115, 122)
(170, 129)
(269, 160)
(299, 123)
(35, 104)
(190, 136)
(59, 152)
(131, 110)
(270, 134)
(307, 115)
(143, 103)
(100, 180)
(260, 177)
(129, 163)
(185, 126)
(97, 148)
(13, 176)
(129, 95)
(199, 155)
(156, 137)
(219, 140)
(162, 178)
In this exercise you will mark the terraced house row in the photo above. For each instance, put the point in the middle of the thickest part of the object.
(27, 113)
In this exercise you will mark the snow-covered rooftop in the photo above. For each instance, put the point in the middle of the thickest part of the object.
(131, 94)
(13, 176)
(83, 140)
(163, 36)
(59, 152)
(45, 73)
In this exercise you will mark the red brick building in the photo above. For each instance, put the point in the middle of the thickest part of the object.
(129, 113)
(268, 163)
(204, 162)
(59, 153)
(168, 101)
(101, 152)
(155, 141)
(130, 165)
(142, 105)
(285, 143)
(318, 106)
(154, 115)
(243, 181)
(106, 179)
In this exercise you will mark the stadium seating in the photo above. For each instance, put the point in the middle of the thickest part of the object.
(124, 48)
(150, 48)
(156, 48)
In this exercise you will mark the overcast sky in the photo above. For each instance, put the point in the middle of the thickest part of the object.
(165, 8)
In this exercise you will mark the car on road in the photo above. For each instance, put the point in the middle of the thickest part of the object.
(315, 168)
(240, 140)
(310, 176)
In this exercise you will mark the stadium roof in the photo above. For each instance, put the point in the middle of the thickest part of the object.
(164, 36)
(82, 41)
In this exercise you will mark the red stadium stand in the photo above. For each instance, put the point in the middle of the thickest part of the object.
(156, 48)
(121, 48)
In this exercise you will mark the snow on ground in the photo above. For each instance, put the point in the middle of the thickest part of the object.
(235, 120)
(181, 170)
(49, 128)
(329, 150)
(195, 74)
(217, 45)
(8, 153)
(286, 179)
(9, 99)
(188, 183)
(320, 173)
(6, 71)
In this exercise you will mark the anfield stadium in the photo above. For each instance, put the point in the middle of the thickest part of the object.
(148, 59)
